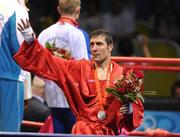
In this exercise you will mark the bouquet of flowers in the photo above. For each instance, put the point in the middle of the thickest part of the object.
(59, 52)
(130, 87)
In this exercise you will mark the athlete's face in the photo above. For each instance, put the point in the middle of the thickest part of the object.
(100, 50)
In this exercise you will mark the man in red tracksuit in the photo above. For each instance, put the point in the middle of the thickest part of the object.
(84, 83)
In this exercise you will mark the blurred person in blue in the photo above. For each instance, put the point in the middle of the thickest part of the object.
(11, 75)
(67, 41)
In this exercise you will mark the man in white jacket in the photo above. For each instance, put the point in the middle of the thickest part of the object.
(71, 43)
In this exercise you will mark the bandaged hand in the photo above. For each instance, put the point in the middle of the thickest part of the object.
(27, 32)
(126, 108)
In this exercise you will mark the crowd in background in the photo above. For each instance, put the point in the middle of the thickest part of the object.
(124, 19)
(119, 17)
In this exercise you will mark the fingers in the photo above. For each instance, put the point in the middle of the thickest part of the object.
(27, 32)
(23, 25)
(126, 109)
(20, 27)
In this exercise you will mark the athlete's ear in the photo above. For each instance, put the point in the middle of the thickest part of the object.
(59, 11)
(110, 47)
(77, 12)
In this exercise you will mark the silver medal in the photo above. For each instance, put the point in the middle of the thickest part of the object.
(101, 115)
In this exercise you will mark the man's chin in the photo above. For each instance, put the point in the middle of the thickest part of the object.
(98, 61)
(95, 59)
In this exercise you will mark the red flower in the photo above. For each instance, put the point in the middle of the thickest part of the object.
(142, 87)
(135, 70)
(125, 71)
(61, 51)
(121, 89)
(139, 75)
(129, 87)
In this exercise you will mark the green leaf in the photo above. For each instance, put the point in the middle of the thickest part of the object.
(150, 93)
(48, 45)
(130, 97)
(109, 90)
(139, 95)
(113, 92)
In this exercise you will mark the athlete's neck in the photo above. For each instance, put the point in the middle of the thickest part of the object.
(69, 19)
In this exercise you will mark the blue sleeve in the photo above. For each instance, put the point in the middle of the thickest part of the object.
(86, 35)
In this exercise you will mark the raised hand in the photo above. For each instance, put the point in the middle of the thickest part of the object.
(25, 28)
(143, 41)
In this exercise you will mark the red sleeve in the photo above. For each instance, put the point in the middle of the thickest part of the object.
(36, 59)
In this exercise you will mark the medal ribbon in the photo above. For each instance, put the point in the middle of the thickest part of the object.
(64, 19)
(99, 88)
